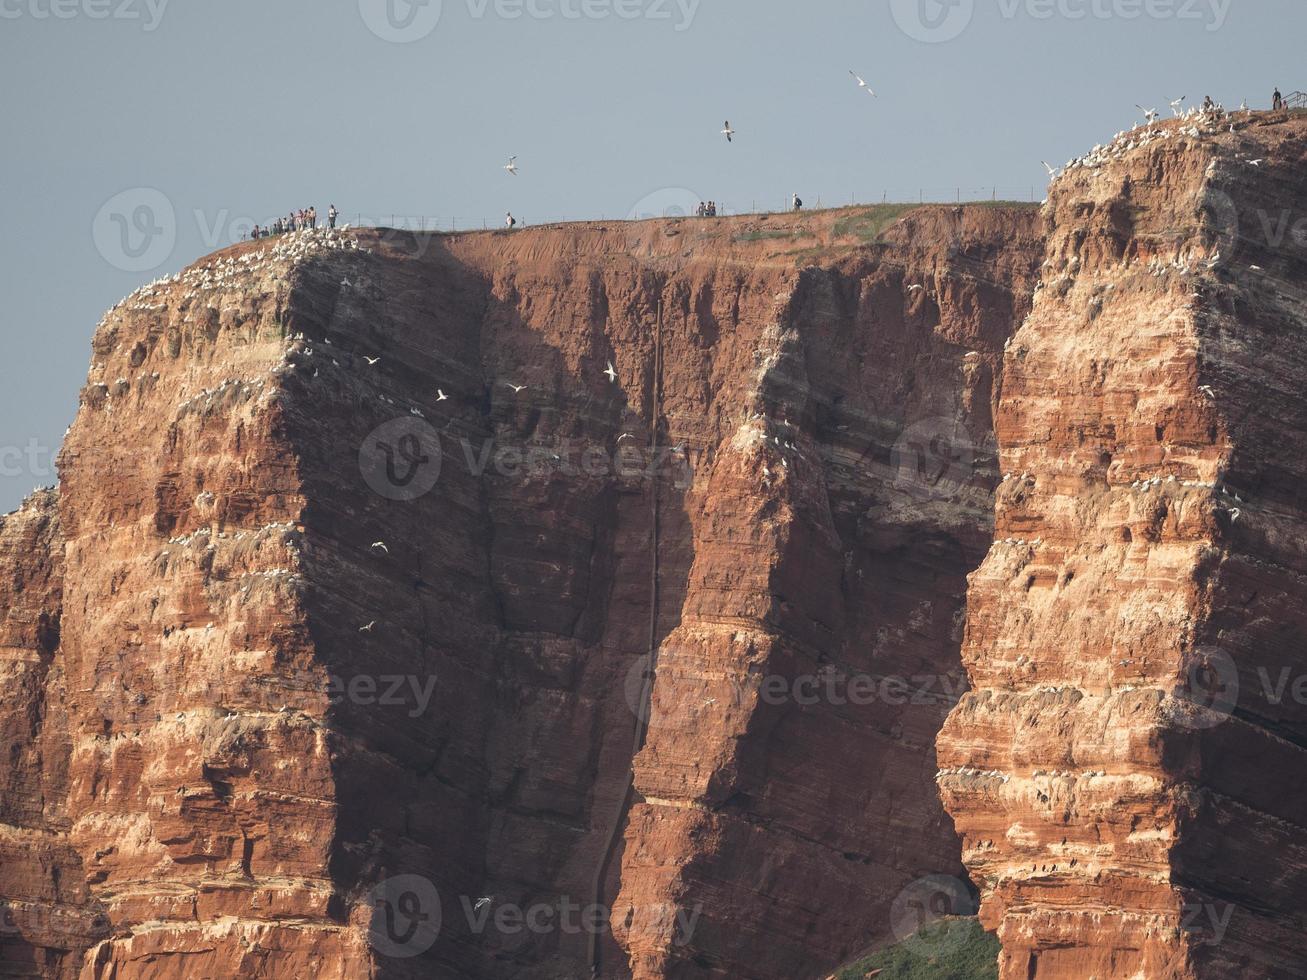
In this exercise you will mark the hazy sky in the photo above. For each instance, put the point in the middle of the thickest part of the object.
(140, 134)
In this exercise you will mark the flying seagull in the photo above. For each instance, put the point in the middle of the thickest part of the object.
(441, 396)
(728, 132)
(511, 166)
(368, 628)
(1255, 163)
(862, 83)
(1052, 171)
(1149, 114)
(624, 436)
(372, 361)
(481, 903)
(611, 372)
(1208, 391)
(1175, 106)
(380, 546)
(517, 389)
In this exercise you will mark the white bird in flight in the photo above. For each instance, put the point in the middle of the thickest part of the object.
(1175, 106)
(1052, 171)
(728, 132)
(372, 361)
(441, 396)
(368, 628)
(511, 166)
(481, 903)
(380, 546)
(862, 83)
(517, 389)
(611, 372)
(1149, 114)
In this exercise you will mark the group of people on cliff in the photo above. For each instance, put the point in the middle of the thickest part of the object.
(300, 220)
(707, 209)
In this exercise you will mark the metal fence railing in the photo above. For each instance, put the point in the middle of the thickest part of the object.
(925, 195)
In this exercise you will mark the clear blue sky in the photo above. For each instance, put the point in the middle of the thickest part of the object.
(243, 109)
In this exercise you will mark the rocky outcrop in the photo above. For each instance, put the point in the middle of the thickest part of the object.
(592, 597)
(1126, 774)
(379, 597)
(47, 916)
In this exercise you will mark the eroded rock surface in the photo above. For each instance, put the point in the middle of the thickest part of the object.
(1127, 784)
(297, 662)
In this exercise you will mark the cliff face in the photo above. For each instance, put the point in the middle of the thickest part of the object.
(502, 605)
(356, 634)
(46, 914)
(1128, 773)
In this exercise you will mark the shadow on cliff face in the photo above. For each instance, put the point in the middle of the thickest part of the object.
(513, 568)
(812, 468)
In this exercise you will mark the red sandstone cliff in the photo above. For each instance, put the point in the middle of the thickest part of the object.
(1128, 785)
(338, 648)
(239, 789)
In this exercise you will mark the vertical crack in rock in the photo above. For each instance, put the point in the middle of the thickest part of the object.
(328, 643)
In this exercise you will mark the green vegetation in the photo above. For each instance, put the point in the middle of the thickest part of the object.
(762, 236)
(867, 224)
(949, 949)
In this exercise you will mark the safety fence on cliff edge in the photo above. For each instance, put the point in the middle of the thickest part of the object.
(678, 209)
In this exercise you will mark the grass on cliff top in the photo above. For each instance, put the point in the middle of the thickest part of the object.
(868, 224)
(762, 236)
(950, 949)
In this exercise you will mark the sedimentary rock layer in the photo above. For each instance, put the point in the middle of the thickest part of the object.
(379, 597)
(1127, 774)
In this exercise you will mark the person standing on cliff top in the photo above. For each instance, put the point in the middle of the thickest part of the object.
(1277, 100)
(510, 221)
(798, 203)
(332, 215)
